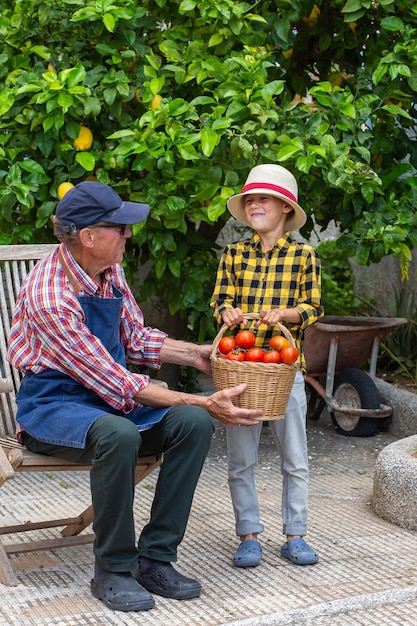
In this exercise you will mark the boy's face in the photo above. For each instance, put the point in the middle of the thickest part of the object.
(266, 213)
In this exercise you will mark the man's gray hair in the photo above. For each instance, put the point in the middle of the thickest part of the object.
(65, 234)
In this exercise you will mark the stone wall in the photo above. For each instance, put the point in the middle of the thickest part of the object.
(379, 282)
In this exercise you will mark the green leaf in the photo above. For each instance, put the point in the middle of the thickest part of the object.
(209, 140)
(65, 101)
(76, 75)
(122, 133)
(201, 100)
(215, 40)
(349, 110)
(84, 14)
(86, 160)
(109, 22)
(396, 110)
(216, 208)
(187, 6)
(273, 88)
(188, 153)
(281, 28)
(110, 94)
(305, 163)
(178, 106)
(392, 23)
(157, 84)
(29, 165)
(368, 193)
(174, 265)
(379, 73)
(46, 209)
(362, 254)
(287, 151)
(6, 100)
(160, 266)
(351, 6)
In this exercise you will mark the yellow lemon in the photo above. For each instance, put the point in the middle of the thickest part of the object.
(287, 54)
(137, 95)
(313, 17)
(156, 101)
(63, 188)
(84, 139)
(335, 79)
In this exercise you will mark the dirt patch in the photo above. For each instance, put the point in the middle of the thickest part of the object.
(399, 381)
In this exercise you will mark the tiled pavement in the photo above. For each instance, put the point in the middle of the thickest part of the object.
(367, 572)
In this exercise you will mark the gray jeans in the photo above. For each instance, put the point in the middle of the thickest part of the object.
(291, 441)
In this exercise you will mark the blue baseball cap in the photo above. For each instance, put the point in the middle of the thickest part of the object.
(90, 202)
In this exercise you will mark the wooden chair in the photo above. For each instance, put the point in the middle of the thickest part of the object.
(15, 263)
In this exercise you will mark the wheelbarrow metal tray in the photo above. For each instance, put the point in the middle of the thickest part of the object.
(354, 335)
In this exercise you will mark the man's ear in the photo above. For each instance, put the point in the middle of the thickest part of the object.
(87, 237)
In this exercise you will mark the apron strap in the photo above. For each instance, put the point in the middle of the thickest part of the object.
(68, 273)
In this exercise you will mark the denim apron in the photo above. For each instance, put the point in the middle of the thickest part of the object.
(56, 409)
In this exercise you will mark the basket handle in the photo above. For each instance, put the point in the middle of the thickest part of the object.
(251, 316)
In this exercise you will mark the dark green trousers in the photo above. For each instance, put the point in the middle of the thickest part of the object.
(113, 445)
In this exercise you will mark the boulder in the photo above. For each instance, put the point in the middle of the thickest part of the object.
(395, 483)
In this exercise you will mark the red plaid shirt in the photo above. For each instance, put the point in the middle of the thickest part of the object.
(48, 331)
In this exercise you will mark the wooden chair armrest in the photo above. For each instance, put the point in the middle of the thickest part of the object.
(6, 385)
(6, 468)
(15, 457)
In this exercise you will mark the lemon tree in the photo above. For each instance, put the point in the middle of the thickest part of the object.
(172, 103)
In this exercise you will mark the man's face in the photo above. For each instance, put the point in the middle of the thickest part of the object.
(110, 242)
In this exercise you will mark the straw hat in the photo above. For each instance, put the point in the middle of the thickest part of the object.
(271, 180)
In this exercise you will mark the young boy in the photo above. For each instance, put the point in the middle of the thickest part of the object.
(279, 278)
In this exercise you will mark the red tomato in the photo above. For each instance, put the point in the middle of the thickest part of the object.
(278, 342)
(227, 344)
(289, 355)
(272, 356)
(254, 354)
(245, 339)
(235, 355)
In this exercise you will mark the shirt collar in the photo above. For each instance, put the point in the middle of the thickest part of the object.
(282, 242)
(87, 285)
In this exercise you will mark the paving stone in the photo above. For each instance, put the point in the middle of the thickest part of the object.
(367, 572)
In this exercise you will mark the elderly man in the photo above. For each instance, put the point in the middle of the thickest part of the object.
(76, 326)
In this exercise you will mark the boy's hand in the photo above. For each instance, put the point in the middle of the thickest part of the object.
(233, 317)
(270, 317)
(273, 316)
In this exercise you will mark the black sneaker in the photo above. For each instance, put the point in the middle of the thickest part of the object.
(161, 578)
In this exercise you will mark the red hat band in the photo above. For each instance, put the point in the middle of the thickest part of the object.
(269, 187)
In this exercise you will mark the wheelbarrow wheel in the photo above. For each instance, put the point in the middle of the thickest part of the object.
(354, 388)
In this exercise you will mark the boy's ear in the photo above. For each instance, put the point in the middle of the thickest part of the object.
(287, 208)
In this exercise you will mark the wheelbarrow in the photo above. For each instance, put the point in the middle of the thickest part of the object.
(336, 347)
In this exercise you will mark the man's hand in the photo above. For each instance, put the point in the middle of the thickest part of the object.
(220, 406)
(202, 360)
(186, 353)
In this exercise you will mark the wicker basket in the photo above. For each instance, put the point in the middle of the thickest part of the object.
(268, 384)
